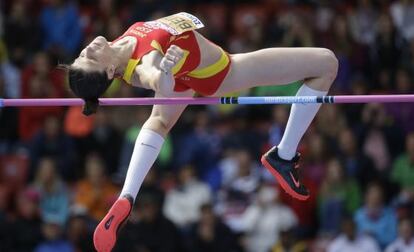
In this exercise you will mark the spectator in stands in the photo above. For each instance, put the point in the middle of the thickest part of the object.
(199, 145)
(330, 122)
(32, 119)
(182, 204)
(350, 240)
(247, 25)
(42, 67)
(39, 81)
(242, 135)
(265, 219)
(338, 195)
(353, 112)
(288, 242)
(362, 22)
(378, 135)
(10, 73)
(58, 19)
(241, 179)
(375, 136)
(54, 196)
(298, 33)
(148, 229)
(375, 217)
(25, 231)
(114, 28)
(344, 46)
(401, 113)
(77, 126)
(280, 116)
(153, 185)
(402, 13)
(95, 193)
(5, 221)
(8, 122)
(403, 169)
(401, 175)
(405, 240)
(52, 141)
(239, 171)
(386, 50)
(211, 234)
(150, 9)
(105, 140)
(407, 56)
(19, 24)
(54, 241)
(356, 164)
(315, 161)
(79, 233)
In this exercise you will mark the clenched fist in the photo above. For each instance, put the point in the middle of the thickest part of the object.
(173, 55)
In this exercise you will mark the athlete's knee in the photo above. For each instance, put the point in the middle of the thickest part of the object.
(327, 67)
(330, 63)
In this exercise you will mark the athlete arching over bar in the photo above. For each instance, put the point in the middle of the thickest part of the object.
(169, 56)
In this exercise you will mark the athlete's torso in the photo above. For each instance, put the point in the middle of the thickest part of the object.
(178, 29)
(155, 35)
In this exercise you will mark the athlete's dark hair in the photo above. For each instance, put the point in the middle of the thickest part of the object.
(89, 86)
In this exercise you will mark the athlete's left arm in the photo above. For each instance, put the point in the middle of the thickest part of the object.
(154, 72)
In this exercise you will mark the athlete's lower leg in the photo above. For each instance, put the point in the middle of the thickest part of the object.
(282, 161)
(147, 147)
(301, 115)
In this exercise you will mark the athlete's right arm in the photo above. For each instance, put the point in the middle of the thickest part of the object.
(154, 72)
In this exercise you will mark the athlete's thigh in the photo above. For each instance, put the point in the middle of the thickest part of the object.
(274, 66)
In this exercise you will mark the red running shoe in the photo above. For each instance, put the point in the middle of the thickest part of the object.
(106, 232)
(286, 173)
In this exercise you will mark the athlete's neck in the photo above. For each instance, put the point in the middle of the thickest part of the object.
(122, 51)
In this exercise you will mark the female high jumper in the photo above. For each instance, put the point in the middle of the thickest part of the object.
(170, 57)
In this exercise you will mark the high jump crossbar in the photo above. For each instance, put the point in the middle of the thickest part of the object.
(248, 100)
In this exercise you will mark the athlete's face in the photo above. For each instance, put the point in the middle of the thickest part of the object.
(95, 57)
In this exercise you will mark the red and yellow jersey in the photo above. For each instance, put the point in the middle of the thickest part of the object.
(177, 30)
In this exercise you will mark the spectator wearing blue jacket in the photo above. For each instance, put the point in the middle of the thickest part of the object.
(60, 23)
(54, 196)
(54, 240)
(376, 218)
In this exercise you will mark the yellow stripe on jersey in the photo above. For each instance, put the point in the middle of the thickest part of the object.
(156, 45)
(180, 63)
(212, 69)
(132, 63)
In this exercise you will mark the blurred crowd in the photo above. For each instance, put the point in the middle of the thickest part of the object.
(60, 171)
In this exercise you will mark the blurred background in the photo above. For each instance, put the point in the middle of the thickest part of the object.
(60, 171)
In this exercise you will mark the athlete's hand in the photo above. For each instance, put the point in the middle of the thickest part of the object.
(173, 55)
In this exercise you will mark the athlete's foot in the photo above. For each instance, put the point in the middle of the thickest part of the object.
(106, 232)
(286, 173)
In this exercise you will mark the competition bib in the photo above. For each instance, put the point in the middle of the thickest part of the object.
(177, 23)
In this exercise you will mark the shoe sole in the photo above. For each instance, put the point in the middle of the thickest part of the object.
(104, 238)
(285, 186)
